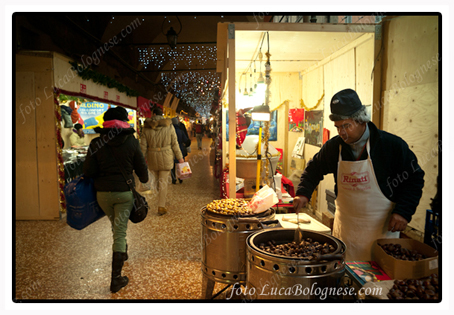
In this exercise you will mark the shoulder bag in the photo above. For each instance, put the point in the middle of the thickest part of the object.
(140, 208)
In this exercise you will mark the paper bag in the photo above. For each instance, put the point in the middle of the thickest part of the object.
(183, 170)
(262, 200)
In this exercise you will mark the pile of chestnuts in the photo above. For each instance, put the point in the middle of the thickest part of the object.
(230, 206)
(306, 250)
(402, 253)
(422, 289)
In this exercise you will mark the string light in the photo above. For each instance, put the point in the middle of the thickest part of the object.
(196, 88)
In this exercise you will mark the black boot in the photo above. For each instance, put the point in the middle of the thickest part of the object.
(117, 281)
(125, 254)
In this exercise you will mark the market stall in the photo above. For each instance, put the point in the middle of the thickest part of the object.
(44, 82)
(303, 66)
(319, 60)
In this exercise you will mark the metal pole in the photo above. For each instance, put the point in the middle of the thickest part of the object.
(259, 160)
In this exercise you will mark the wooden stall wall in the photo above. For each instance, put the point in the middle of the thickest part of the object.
(410, 92)
(36, 160)
(349, 67)
(285, 93)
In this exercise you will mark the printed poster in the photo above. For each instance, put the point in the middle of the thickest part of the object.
(296, 119)
(92, 114)
(314, 127)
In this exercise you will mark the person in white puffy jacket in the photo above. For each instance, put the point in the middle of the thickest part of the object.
(77, 136)
(159, 146)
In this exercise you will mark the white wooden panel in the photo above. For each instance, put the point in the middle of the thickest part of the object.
(313, 88)
(339, 74)
(412, 51)
(364, 64)
(284, 87)
(412, 114)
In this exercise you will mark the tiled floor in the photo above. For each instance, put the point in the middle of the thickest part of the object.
(55, 261)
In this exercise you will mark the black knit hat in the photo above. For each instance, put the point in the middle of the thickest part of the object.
(344, 104)
(78, 126)
(118, 113)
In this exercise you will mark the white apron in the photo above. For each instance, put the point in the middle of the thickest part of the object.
(362, 211)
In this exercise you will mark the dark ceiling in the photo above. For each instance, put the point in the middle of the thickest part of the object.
(138, 55)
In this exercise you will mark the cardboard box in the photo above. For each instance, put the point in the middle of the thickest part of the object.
(402, 269)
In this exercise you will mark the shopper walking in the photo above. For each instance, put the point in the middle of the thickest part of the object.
(183, 142)
(199, 134)
(159, 144)
(116, 145)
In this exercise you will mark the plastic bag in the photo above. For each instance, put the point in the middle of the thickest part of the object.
(143, 186)
(262, 200)
(183, 170)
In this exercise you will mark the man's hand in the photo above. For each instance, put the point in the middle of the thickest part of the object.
(299, 202)
(181, 161)
(397, 223)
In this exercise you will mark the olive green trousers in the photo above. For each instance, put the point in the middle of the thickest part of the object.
(117, 205)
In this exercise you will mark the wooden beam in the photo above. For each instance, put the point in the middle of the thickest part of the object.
(232, 112)
(177, 70)
(221, 46)
(166, 44)
(306, 27)
(378, 84)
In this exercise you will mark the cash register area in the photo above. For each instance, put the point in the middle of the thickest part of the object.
(56, 262)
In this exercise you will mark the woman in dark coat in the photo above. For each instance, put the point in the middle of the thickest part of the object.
(115, 146)
(183, 142)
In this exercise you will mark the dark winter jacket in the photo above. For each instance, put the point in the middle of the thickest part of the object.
(399, 176)
(100, 162)
(183, 140)
(185, 131)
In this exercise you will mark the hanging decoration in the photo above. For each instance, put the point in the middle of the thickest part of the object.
(283, 103)
(59, 147)
(267, 102)
(314, 107)
(89, 74)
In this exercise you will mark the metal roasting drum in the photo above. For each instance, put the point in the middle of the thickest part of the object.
(269, 276)
(224, 246)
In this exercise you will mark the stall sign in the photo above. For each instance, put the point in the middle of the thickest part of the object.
(106, 95)
(118, 98)
(83, 88)
(92, 114)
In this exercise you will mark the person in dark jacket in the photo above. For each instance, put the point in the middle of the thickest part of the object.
(378, 180)
(199, 134)
(183, 142)
(115, 146)
(185, 131)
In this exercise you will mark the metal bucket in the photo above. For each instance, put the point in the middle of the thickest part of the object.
(271, 276)
(224, 244)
